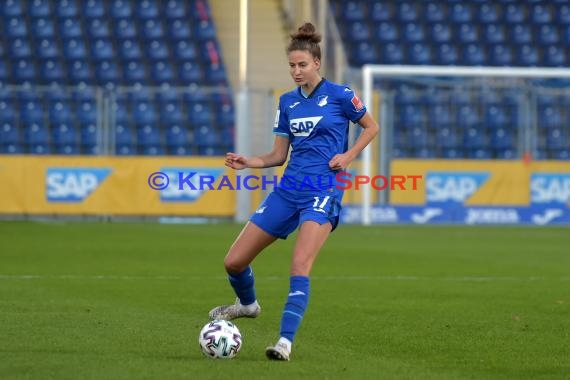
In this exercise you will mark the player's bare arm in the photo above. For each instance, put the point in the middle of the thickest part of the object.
(276, 157)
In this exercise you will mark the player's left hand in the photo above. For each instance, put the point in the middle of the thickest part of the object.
(340, 162)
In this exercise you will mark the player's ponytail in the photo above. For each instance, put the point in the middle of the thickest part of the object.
(307, 39)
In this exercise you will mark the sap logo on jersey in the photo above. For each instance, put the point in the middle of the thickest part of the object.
(188, 184)
(304, 126)
(453, 187)
(550, 188)
(73, 185)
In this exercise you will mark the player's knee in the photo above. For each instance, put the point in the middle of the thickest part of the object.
(233, 266)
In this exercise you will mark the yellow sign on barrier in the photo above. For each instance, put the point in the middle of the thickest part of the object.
(115, 186)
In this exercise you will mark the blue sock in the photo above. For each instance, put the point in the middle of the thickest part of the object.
(295, 306)
(243, 286)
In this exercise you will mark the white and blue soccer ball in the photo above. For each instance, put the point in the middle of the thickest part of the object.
(220, 339)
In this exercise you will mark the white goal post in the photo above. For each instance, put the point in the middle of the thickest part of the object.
(371, 72)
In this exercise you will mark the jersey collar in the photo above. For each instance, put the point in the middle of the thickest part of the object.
(313, 92)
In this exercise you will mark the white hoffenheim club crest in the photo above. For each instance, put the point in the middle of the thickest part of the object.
(322, 100)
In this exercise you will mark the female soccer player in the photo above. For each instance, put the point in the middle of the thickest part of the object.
(314, 119)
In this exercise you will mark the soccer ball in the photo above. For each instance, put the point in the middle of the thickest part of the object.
(220, 339)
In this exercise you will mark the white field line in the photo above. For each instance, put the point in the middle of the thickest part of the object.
(7, 277)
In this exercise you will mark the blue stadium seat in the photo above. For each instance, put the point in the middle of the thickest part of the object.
(171, 113)
(70, 28)
(562, 154)
(541, 14)
(387, 32)
(480, 154)
(125, 150)
(502, 138)
(460, 13)
(31, 112)
(24, 71)
(424, 153)
(448, 138)
(134, 72)
(102, 49)
(381, 11)
(60, 113)
(11, 149)
(74, 49)
(521, 34)
(408, 12)
(148, 135)
(205, 30)
(413, 32)
(353, 10)
(89, 135)
(216, 74)
(467, 33)
(175, 10)
(556, 138)
(184, 50)
(162, 72)
(446, 54)
(555, 56)
(123, 135)
(121, 9)
(515, 13)
(39, 149)
(410, 116)
(93, 9)
(494, 34)
(36, 134)
(51, 71)
(420, 54)
(106, 71)
(528, 55)
(66, 9)
(392, 53)
(473, 55)
(176, 136)
(64, 134)
(225, 115)
(86, 112)
(189, 72)
(440, 116)
(67, 149)
(452, 154)
(39, 8)
(9, 133)
(501, 55)
(179, 30)
(358, 31)
(435, 12)
(548, 34)
(130, 50)
(79, 71)
(200, 113)
(564, 14)
(441, 33)
(488, 13)
(20, 48)
(43, 28)
(468, 117)
(146, 9)
(365, 52)
(157, 50)
(125, 29)
(47, 48)
(505, 154)
(15, 27)
(98, 28)
(474, 138)
(144, 113)
(206, 136)
(549, 117)
(153, 150)
(152, 29)
(13, 8)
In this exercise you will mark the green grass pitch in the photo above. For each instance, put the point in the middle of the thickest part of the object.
(122, 301)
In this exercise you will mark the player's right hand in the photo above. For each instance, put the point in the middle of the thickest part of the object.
(236, 161)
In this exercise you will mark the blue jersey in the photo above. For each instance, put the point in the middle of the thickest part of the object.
(317, 128)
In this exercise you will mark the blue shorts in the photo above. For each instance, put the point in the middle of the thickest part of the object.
(280, 214)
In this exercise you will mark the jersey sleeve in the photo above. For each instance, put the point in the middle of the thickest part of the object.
(281, 124)
(352, 106)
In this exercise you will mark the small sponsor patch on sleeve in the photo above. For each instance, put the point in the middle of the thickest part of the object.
(358, 106)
